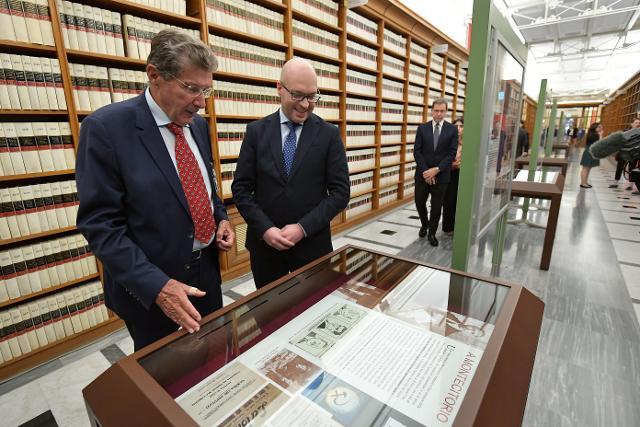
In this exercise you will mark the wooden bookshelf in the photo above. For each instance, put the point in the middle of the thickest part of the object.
(47, 291)
(389, 14)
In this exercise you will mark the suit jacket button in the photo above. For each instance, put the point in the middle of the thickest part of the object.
(190, 236)
(187, 267)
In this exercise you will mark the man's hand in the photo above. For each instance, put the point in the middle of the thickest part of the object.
(174, 302)
(292, 232)
(431, 181)
(430, 173)
(225, 236)
(274, 238)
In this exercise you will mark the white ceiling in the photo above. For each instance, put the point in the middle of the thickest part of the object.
(585, 48)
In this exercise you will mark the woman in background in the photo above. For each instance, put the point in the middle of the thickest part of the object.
(451, 194)
(587, 162)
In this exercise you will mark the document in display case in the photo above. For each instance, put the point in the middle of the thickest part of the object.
(356, 338)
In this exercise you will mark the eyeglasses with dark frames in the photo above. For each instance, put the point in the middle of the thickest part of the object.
(299, 97)
(193, 89)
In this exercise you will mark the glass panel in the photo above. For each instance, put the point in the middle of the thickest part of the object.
(548, 174)
(500, 142)
(361, 339)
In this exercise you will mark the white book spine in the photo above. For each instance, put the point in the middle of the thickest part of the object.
(59, 207)
(82, 253)
(26, 194)
(116, 21)
(57, 146)
(44, 148)
(65, 314)
(41, 266)
(5, 100)
(14, 149)
(90, 25)
(32, 268)
(103, 86)
(81, 87)
(30, 9)
(11, 82)
(81, 27)
(88, 305)
(49, 84)
(91, 259)
(82, 308)
(38, 325)
(21, 81)
(71, 24)
(28, 147)
(91, 74)
(67, 261)
(54, 279)
(41, 87)
(21, 330)
(47, 320)
(9, 212)
(5, 351)
(20, 213)
(29, 328)
(76, 262)
(128, 25)
(69, 153)
(31, 83)
(56, 317)
(101, 39)
(17, 259)
(40, 206)
(73, 311)
(57, 79)
(109, 35)
(5, 154)
(64, 27)
(6, 212)
(9, 275)
(6, 26)
(44, 18)
(7, 322)
(19, 22)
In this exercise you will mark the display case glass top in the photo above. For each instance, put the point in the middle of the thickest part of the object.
(359, 339)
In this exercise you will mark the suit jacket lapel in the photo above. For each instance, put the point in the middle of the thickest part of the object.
(274, 138)
(430, 136)
(152, 139)
(307, 137)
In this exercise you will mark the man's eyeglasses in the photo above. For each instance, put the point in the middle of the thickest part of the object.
(193, 89)
(299, 97)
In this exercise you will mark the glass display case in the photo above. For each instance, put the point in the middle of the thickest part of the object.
(356, 338)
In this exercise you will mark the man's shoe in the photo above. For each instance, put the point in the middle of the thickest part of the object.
(422, 232)
(432, 240)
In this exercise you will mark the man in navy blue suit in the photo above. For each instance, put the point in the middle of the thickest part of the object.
(291, 179)
(148, 202)
(434, 151)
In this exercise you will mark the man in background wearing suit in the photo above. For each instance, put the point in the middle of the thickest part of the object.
(434, 151)
(148, 202)
(291, 179)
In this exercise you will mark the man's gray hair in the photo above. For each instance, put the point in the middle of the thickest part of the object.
(440, 101)
(173, 50)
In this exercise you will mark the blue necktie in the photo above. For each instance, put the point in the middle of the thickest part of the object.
(289, 148)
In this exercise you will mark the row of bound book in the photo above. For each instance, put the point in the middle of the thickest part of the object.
(26, 21)
(30, 83)
(33, 147)
(37, 208)
(35, 267)
(95, 87)
(30, 326)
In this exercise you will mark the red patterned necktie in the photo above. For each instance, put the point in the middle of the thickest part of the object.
(193, 186)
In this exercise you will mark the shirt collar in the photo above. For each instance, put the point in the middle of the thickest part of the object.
(438, 123)
(284, 119)
(158, 113)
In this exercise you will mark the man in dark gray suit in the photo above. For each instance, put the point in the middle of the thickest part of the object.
(291, 179)
(434, 151)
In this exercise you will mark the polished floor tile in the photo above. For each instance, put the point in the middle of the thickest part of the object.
(636, 307)
(342, 241)
(631, 276)
(126, 345)
(245, 288)
(399, 236)
(403, 217)
(226, 300)
(621, 217)
(621, 207)
(22, 404)
(624, 231)
(63, 389)
(628, 252)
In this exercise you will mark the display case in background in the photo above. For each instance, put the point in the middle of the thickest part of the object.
(355, 338)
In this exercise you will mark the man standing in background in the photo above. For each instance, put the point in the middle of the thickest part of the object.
(435, 148)
(291, 179)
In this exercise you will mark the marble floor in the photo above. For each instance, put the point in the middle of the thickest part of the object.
(587, 369)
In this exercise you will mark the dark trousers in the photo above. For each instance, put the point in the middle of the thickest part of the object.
(147, 329)
(619, 169)
(423, 190)
(449, 203)
(268, 264)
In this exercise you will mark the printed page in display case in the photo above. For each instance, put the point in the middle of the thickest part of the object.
(382, 345)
